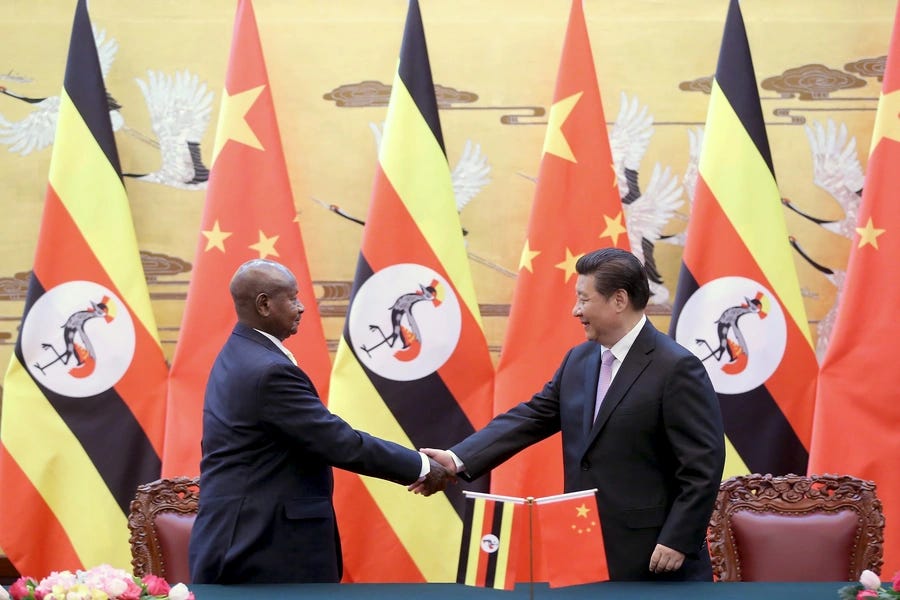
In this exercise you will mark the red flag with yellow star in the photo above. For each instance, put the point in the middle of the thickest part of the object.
(570, 538)
(857, 413)
(249, 213)
(576, 210)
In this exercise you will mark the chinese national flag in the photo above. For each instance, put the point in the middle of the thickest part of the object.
(857, 417)
(249, 213)
(576, 210)
(570, 538)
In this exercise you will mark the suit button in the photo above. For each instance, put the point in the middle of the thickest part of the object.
(585, 465)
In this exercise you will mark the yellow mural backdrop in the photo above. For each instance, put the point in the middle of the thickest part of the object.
(330, 66)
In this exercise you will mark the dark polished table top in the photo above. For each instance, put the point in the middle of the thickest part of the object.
(450, 591)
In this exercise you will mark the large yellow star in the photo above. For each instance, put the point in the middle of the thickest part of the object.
(582, 510)
(555, 141)
(527, 256)
(568, 265)
(233, 124)
(869, 234)
(615, 227)
(265, 246)
(887, 119)
(215, 237)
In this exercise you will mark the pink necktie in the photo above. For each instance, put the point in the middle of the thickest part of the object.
(606, 362)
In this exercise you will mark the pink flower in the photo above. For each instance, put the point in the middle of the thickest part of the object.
(132, 591)
(862, 594)
(20, 589)
(157, 586)
(895, 582)
(869, 580)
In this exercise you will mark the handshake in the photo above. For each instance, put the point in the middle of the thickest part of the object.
(443, 472)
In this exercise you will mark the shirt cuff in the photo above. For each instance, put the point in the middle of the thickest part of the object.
(460, 467)
(426, 466)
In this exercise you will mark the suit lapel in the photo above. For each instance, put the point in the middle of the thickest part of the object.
(591, 380)
(635, 363)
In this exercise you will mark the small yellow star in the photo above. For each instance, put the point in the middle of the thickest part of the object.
(265, 246)
(583, 511)
(568, 265)
(615, 227)
(527, 256)
(869, 234)
(555, 141)
(215, 237)
(233, 124)
(887, 119)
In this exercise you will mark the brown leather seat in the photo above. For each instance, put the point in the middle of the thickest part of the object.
(161, 518)
(796, 528)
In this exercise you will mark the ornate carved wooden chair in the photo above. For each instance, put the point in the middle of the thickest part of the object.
(161, 518)
(796, 528)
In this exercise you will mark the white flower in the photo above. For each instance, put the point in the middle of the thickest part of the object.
(115, 587)
(869, 580)
(4, 595)
(179, 591)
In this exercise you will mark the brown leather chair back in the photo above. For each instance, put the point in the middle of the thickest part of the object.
(795, 528)
(161, 518)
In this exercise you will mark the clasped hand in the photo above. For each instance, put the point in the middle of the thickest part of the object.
(442, 473)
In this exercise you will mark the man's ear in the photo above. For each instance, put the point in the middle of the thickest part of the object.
(621, 298)
(262, 304)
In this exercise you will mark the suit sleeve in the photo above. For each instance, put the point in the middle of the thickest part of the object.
(293, 409)
(693, 424)
(516, 429)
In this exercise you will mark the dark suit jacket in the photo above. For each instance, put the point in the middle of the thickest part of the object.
(656, 452)
(266, 513)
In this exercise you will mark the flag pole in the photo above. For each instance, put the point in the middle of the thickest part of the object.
(530, 502)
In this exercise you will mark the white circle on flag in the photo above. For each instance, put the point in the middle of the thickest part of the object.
(404, 322)
(78, 339)
(490, 543)
(739, 313)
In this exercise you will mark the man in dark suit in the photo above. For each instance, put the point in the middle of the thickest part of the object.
(655, 450)
(266, 513)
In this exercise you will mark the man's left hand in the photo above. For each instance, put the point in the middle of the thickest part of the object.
(665, 559)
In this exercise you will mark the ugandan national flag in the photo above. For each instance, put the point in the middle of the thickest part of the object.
(857, 411)
(494, 539)
(738, 305)
(249, 214)
(412, 364)
(84, 396)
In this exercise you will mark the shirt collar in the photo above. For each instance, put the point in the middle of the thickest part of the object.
(278, 343)
(620, 349)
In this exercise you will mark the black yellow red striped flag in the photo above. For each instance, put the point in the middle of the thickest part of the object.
(412, 364)
(495, 539)
(738, 304)
(84, 395)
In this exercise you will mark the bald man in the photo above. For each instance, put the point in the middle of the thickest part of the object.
(269, 444)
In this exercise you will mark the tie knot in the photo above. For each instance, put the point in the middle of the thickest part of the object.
(290, 355)
(607, 358)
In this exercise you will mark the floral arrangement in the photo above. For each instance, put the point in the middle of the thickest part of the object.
(869, 586)
(99, 583)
